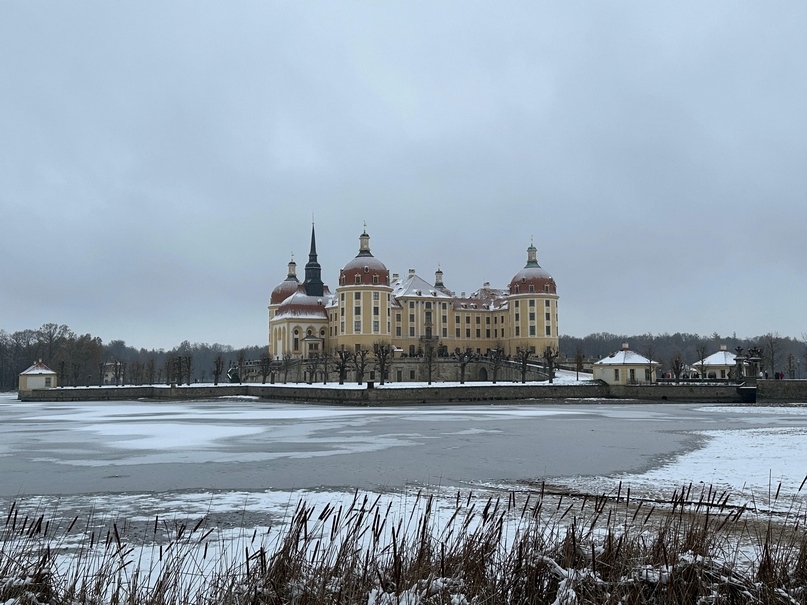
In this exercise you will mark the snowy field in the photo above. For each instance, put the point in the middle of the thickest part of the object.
(249, 461)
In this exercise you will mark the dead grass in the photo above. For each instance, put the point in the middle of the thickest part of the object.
(520, 548)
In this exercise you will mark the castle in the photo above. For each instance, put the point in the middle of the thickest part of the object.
(369, 306)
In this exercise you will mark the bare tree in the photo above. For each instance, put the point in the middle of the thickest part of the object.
(360, 363)
(241, 361)
(496, 360)
(150, 366)
(430, 349)
(773, 350)
(464, 359)
(650, 354)
(550, 355)
(790, 364)
(677, 365)
(265, 366)
(218, 367)
(101, 367)
(326, 366)
(702, 352)
(523, 355)
(344, 360)
(313, 364)
(188, 360)
(578, 361)
(382, 351)
(287, 362)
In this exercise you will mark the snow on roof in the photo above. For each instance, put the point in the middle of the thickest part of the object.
(625, 357)
(412, 285)
(721, 358)
(38, 368)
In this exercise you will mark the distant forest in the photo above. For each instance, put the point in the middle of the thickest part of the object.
(79, 359)
(778, 353)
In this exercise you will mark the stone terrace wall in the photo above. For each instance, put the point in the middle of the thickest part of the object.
(398, 395)
(793, 391)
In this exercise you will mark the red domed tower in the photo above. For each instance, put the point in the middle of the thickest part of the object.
(363, 300)
(533, 307)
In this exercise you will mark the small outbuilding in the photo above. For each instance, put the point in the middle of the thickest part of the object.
(625, 367)
(722, 364)
(38, 376)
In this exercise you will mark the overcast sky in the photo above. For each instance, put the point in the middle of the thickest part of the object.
(160, 161)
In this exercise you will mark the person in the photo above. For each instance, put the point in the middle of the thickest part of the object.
(761, 374)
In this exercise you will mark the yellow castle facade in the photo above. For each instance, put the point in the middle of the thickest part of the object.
(371, 306)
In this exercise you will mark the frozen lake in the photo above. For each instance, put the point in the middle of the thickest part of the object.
(241, 445)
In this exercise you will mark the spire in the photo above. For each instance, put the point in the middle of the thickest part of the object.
(313, 271)
(532, 260)
(292, 269)
(438, 277)
(364, 243)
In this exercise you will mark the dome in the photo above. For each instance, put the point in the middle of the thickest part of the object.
(301, 305)
(532, 275)
(287, 287)
(365, 269)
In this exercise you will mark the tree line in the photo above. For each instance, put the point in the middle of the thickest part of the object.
(84, 360)
(778, 353)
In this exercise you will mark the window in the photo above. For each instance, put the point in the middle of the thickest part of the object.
(546, 288)
(343, 296)
(647, 374)
(411, 374)
(428, 317)
(532, 288)
(445, 319)
(357, 296)
(411, 318)
(342, 312)
(375, 311)
(456, 319)
(467, 319)
(518, 331)
(375, 281)
(496, 333)
(532, 316)
(516, 293)
(47, 382)
(487, 333)
(546, 303)
(457, 332)
(445, 332)
(358, 278)
(397, 317)
(548, 316)
(375, 325)
(399, 375)
(356, 310)
(517, 303)
(616, 374)
(342, 326)
(487, 320)
(518, 316)
(375, 295)
(532, 330)
(467, 332)
(357, 327)
(722, 374)
(548, 331)
(296, 343)
(428, 305)
(532, 302)
(397, 330)
(478, 320)
(495, 320)
(478, 332)
(411, 304)
(412, 331)
(632, 375)
(443, 306)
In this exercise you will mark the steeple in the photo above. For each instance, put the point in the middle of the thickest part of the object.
(292, 269)
(438, 278)
(313, 271)
(532, 260)
(364, 243)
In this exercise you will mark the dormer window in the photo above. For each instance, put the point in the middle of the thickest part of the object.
(546, 287)
(516, 289)
(532, 288)
(375, 279)
(358, 278)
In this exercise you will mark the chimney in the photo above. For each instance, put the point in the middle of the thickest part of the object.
(411, 272)
(625, 346)
(723, 348)
(395, 277)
